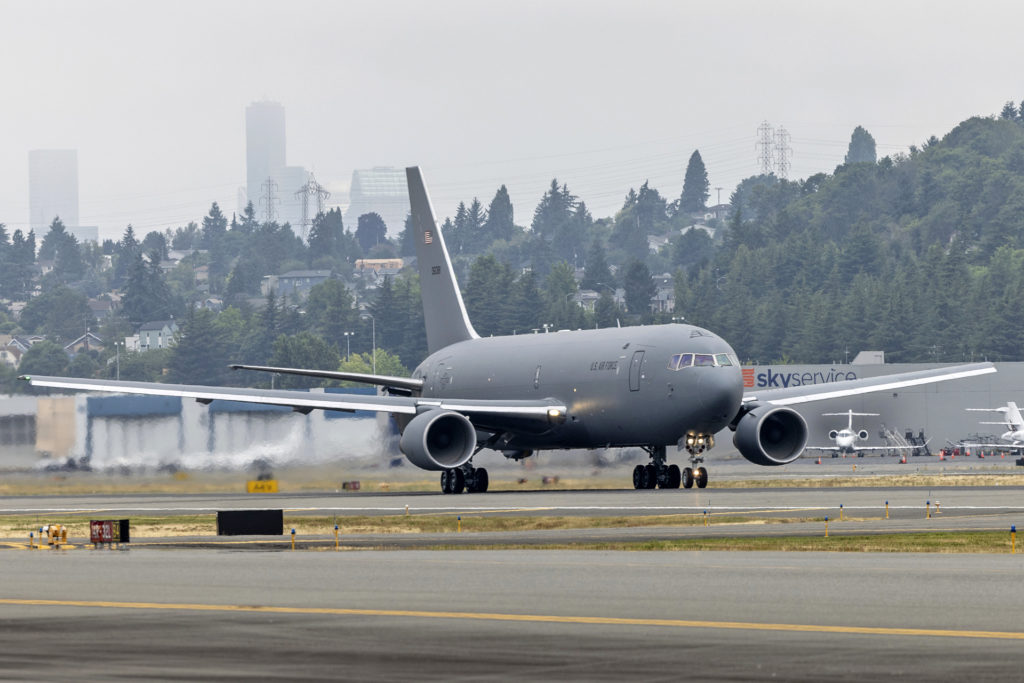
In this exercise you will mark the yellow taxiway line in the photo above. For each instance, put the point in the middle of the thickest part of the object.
(531, 618)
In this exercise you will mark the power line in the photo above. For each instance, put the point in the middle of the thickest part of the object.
(268, 200)
(311, 189)
(765, 147)
(782, 152)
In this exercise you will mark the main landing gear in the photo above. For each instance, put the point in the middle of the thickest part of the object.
(467, 477)
(661, 475)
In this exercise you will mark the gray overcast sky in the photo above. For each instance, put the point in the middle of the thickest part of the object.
(601, 95)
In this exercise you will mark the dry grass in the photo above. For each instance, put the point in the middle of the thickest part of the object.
(997, 542)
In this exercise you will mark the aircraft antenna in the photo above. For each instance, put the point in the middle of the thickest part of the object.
(765, 147)
(782, 152)
(268, 200)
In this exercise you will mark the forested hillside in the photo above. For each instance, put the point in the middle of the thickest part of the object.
(920, 255)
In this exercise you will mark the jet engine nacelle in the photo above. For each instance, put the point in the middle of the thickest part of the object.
(771, 435)
(438, 440)
(862, 434)
(833, 434)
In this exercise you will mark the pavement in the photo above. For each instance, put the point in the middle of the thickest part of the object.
(498, 615)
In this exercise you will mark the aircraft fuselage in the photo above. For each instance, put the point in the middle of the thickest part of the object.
(621, 386)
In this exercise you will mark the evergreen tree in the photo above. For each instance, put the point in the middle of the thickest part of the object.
(1009, 111)
(696, 188)
(862, 147)
(606, 312)
(407, 240)
(330, 311)
(326, 237)
(597, 273)
(487, 294)
(44, 358)
(500, 224)
(475, 239)
(303, 350)
(53, 239)
(370, 231)
(554, 211)
(639, 287)
(200, 352)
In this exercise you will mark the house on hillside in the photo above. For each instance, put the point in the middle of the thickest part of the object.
(157, 334)
(295, 284)
(87, 342)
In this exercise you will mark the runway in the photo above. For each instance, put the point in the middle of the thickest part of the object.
(496, 615)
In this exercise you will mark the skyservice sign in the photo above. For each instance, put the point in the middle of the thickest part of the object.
(771, 379)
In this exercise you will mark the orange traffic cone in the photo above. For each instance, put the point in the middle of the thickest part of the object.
(903, 460)
(819, 459)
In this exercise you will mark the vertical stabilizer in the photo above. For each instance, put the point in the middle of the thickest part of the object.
(443, 310)
(1013, 417)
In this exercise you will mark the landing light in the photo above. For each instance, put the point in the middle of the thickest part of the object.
(556, 415)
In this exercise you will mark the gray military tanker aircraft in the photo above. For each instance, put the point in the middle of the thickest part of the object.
(648, 386)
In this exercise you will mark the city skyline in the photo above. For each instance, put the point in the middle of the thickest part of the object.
(601, 96)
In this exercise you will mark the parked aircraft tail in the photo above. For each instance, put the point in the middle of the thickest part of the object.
(443, 309)
(850, 414)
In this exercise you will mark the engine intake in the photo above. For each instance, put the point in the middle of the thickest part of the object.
(862, 434)
(771, 435)
(438, 440)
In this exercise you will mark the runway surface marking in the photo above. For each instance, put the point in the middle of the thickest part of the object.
(695, 509)
(532, 618)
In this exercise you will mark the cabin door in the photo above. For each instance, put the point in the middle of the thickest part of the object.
(635, 367)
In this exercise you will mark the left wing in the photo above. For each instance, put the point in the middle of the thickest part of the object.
(483, 411)
(855, 387)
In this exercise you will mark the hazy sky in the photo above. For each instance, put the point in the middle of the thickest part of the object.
(601, 95)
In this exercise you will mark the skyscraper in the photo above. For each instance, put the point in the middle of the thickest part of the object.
(265, 158)
(52, 188)
(264, 147)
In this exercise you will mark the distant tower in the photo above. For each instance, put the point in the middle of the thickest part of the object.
(264, 145)
(52, 188)
(311, 189)
(782, 152)
(269, 200)
(765, 147)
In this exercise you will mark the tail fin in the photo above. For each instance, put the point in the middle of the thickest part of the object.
(443, 310)
(1013, 416)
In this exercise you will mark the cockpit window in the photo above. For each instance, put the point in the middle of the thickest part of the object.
(680, 361)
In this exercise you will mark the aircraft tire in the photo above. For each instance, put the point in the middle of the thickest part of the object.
(444, 481)
(687, 478)
(650, 477)
(480, 481)
(457, 480)
(701, 477)
(672, 477)
(638, 474)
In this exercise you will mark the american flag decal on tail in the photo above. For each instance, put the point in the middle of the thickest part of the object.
(427, 237)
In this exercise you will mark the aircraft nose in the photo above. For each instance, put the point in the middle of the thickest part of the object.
(720, 391)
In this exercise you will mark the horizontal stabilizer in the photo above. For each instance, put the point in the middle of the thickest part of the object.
(363, 378)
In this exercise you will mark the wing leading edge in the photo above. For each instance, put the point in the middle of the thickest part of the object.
(302, 401)
(820, 392)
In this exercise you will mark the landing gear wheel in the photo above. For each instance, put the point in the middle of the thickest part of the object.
(649, 478)
(456, 481)
(701, 475)
(445, 486)
(480, 480)
(672, 477)
(638, 477)
(687, 478)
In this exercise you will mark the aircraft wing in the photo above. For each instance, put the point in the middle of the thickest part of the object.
(827, 449)
(303, 401)
(820, 392)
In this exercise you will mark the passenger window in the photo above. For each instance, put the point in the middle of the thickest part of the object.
(704, 360)
(723, 359)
